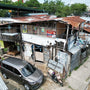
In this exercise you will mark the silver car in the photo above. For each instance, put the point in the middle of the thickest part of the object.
(22, 72)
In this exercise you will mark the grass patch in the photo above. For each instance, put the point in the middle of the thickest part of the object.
(87, 78)
(5, 49)
(41, 89)
(86, 59)
(70, 87)
(69, 74)
(82, 63)
(77, 67)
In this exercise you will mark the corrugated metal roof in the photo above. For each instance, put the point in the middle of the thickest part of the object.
(4, 21)
(87, 27)
(85, 18)
(35, 18)
(73, 20)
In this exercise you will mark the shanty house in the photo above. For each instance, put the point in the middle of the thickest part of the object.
(9, 37)
(52, 40)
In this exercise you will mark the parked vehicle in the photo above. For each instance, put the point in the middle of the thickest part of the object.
(22, 72)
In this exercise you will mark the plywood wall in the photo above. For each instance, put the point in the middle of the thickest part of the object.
(60, 29)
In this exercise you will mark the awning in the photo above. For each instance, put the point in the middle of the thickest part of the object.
(10, 34)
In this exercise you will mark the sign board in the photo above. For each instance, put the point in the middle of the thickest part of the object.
(51, 33)
(1, 44)
(24, 28)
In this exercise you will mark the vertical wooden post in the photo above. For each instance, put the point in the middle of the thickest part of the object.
(52, 52)
(34, 53)
(18, 12)
(67, 32)
(67, 37)
(79, 30)
(21, 42)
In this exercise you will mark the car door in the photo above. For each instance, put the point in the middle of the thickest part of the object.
(8, 70)
(17, 76)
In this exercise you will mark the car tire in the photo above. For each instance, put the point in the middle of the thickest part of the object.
(26, 87)
(4, 75)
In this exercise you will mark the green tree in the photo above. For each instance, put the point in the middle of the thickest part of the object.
(32, 3)
(59, 8)
(6, 1)
(18, 3)
(3, 13)
(45, 6)
(78, 9)
(53, 7)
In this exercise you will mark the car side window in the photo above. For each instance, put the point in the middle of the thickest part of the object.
(11, 69)
(4, 65)
(16, 71)
(8, 67)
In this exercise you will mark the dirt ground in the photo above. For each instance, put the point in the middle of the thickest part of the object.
(88, 87)
(48, 83)
(12, 85)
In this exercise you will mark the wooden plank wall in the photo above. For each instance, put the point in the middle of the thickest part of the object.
(60, 29)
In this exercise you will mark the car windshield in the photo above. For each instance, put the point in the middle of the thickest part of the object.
(28, 70)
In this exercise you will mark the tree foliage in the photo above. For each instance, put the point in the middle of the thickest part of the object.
(3, 13)
(57, 7)
(78, 9)
(18, 3)
(32, 3)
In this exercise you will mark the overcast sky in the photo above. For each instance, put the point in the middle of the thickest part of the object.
(87, 2)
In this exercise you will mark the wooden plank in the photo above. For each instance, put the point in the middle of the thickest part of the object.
(13, 53)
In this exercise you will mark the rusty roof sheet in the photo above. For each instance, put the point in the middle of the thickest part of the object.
(74, 21)
(35, 18)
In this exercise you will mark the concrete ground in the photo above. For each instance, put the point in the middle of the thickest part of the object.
(78, 80)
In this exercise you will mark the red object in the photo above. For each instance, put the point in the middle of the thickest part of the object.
(50, 33)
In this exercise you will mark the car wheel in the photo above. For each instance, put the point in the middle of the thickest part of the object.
(26, 87)
(4, 75)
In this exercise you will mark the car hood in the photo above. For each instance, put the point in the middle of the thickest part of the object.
(35, 76)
